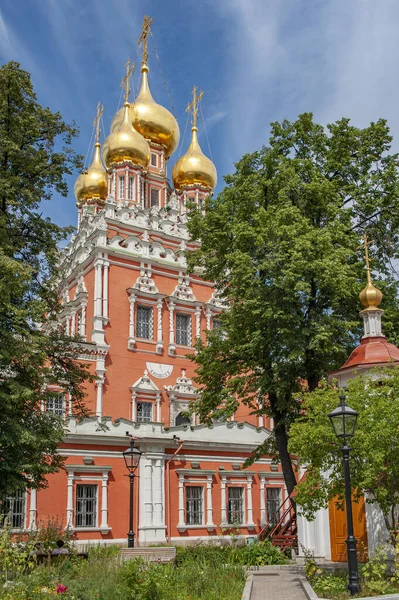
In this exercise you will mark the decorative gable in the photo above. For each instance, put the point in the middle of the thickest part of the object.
(183, 290)
(145, 283)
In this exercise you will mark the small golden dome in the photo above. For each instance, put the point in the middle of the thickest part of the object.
(194, 168)
(125, 144)
(370, 297)
(152, 120)
(92, 184)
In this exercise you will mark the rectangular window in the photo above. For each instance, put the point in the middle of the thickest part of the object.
(131, 188)
(154, 161)
(144, 412)
(273, 503)
(12, 509)
(86, 505)
(121, 187)
(144, 322)
(56, 406)
(235, 512)
(194, 508)
(183, 329)
(154, 197)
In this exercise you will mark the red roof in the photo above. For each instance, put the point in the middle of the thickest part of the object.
(373, 351)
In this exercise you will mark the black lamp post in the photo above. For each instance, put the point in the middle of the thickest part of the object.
(343, 419)
(132, 458)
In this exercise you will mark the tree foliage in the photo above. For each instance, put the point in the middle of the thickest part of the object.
(35, 357)
(374, 460)
(281, 242)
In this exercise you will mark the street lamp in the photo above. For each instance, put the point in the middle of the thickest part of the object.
(132, 458)
(343, 419)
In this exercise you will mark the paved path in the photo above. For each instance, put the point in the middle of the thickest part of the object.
(276, 585)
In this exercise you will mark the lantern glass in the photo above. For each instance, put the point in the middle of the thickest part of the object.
(132, 457)
(343, 419)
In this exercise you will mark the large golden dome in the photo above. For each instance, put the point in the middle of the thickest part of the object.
(370, 296)
(194, 168)
(92, 184)
(125, 143)
(152, 120)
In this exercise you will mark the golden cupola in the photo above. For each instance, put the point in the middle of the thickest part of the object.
(370, 296)
(125, 144)
(92, 184)
(194, 168)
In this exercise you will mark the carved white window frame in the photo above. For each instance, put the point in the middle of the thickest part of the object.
(89, 475)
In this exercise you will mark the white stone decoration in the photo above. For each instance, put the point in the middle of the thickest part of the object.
(144, 389)
(180, 396)
(183, 290)
(144, 282)
(159, 370)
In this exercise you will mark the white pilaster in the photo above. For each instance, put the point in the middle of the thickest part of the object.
(134, 407)
(198, 321)
(262, 501)
(148, 493)
(33, 510)
(132, 339)
(69, 508)
(158, 491)
(250, 518)
(97, 335)
(159, 346)
(104, 501)
(105, 291)
(208, 315)
(172, 347)
(158, 403)
(99, 398)
(209, 508)
(181, 502)
(223, 500)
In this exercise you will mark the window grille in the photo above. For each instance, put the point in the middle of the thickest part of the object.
(235, 505)
(86, 505)
(273, 504)
(154, 197)
(216, 323)
(154, 161)
(145, 322)
(144, 412)
(194, 505)
(131, 188)
(56, 406)
(12, 509)
(183, 329)
(121, 187)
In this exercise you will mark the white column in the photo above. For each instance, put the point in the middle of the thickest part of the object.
(148, 493)
(260, 417)
(83, 321)
(97, 335)
(132, 339)
(114, 185)
(33, 510)
(372, 322)
(99, 399)
(109, 184)
(223, 500)
(209, 512)
(105, 291)
(250, 519)
(159, 326)
(104, 500)
(181, 502)
(262, 501)
(208, 315)
(134, 407)
(127, 185)
(73, 323)
(158, 491)
(172, 347)
(198, 321)
(158, 402)
(69, 509)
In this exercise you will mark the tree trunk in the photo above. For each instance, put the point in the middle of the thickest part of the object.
(280, 431)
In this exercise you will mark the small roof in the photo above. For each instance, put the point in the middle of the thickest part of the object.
(372, 351)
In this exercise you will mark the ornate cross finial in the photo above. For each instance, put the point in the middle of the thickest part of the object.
(145, 30)
(194, 105)
(366, 245)
(96, 122)
(125, 83)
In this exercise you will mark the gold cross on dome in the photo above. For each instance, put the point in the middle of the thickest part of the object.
(193, 106)
(125, 83)
(96, 122)
(366, 245)
(145, 30)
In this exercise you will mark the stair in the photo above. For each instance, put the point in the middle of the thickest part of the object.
(284, 532)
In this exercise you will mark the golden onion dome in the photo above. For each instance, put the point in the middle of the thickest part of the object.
(125, 144)
(152, 120)
(370, 296)
(93, 183)
(194, 168)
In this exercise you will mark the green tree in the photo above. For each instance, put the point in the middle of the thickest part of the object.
(35, 356)
(375, 446)
(281, 242)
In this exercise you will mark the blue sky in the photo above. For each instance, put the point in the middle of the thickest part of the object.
(256, 60)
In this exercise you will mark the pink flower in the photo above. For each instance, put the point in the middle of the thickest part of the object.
(62, 589)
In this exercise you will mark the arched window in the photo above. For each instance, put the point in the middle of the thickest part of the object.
(181, 419)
